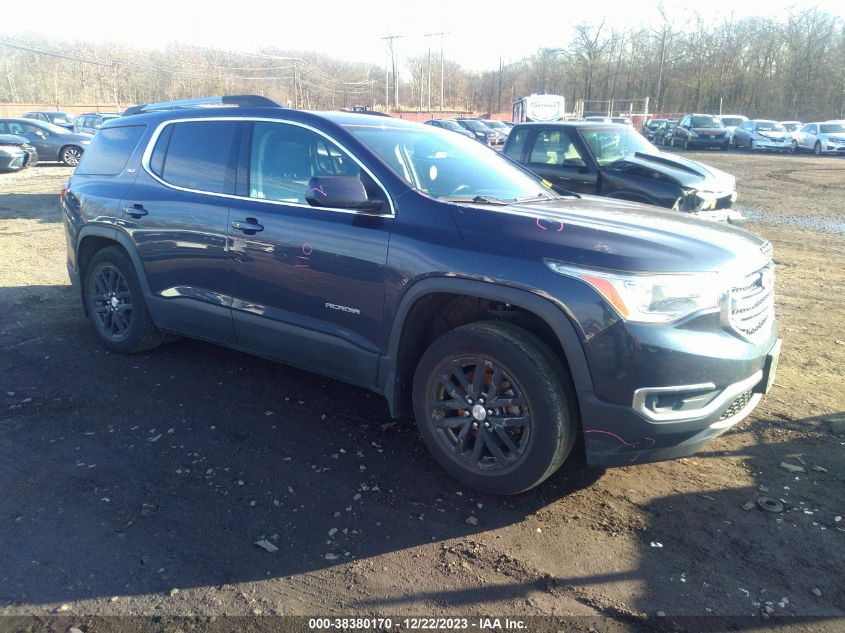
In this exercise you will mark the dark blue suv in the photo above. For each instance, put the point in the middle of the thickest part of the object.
(420, 265)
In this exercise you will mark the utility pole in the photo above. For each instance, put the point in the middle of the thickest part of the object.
(392, 55)
(441, 34)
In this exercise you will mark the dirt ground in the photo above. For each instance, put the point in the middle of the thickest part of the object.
(140, 485)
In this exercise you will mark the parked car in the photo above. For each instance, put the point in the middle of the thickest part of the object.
(451, 125)
(762, 134)
(90, 122)
(16, 153)
(481, 132)
(511, 320)
(732, 122)
(650, 127)
(621, 120)
(700, 130)
(821, 138)
(62, 119)
(498, 126)
(51, 141)
(616, 161)
(663, 133)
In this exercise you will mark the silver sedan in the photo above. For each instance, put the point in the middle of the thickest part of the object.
(826, 137)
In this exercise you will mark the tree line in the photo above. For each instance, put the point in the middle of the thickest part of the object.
(784, 67)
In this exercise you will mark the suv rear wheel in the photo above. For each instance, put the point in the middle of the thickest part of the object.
(494, 407)
(116, 304)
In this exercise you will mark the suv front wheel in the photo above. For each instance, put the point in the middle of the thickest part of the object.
(494, 407)
(116, 304)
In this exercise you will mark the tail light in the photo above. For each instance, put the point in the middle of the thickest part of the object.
(63, 192)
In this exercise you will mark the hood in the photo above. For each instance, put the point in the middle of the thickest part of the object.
(611, 234)
(13, 139)
(685, 172)
(773, 134)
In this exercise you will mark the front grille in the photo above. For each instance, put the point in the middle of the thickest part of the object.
(737, 405)
(752, 303)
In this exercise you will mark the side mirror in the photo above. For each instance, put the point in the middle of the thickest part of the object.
(575, 162)
(340, 192)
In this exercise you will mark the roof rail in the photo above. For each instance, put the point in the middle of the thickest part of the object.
(243, 101)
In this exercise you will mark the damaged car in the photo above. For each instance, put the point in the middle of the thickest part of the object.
(617, 162)
(762, 134)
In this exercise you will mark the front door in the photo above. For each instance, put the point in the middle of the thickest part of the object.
(307, 282)
(555, 156)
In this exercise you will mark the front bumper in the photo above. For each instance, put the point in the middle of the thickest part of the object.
(831, 147)
(662, 393)
(709, 141)
(13, 161)
(784, 145)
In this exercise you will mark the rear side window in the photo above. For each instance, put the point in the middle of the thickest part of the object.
(199, 154)
(516, 143)
(110, 151)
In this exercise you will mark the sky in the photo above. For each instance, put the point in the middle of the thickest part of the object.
(479, 33)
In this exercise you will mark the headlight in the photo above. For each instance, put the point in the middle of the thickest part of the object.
(10, 148)
(651, 298)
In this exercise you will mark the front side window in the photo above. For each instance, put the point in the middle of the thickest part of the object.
(284, 158)
(554, 147)
(446, 165)
(198, 155)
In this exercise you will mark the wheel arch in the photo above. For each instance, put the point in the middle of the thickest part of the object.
(424, 313)
(93, 239)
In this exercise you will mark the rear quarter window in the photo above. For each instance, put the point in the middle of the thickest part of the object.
(110, 150)
(199, 155)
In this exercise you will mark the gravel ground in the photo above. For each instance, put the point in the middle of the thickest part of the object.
(140, 485)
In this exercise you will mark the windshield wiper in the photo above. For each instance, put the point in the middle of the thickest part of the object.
(478, 200)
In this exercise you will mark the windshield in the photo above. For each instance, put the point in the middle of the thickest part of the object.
(770, 126)
(58, 117)
(452, 125)
(831, 128)
(732, 121)
(449, 166)
(706, 122)
(496, 125)
(55, 129)
(609, 144)
(791, 127)
(476, 126)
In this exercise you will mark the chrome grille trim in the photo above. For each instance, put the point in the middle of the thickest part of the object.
(749, 307)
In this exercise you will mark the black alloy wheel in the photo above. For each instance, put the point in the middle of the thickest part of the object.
(112, 302)
(495, 407)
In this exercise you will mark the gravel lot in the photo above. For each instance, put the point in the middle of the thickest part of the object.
(140, 485)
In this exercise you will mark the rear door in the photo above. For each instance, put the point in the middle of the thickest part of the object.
(555, 155)
(178, 215)
(307, 282)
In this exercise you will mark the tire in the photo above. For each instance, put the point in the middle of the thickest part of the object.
(70, 155)
(751, 145)
(116, 305)
(504, 449)
(794, 147)
(686, 143)
(725, 146)
(817, 149)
